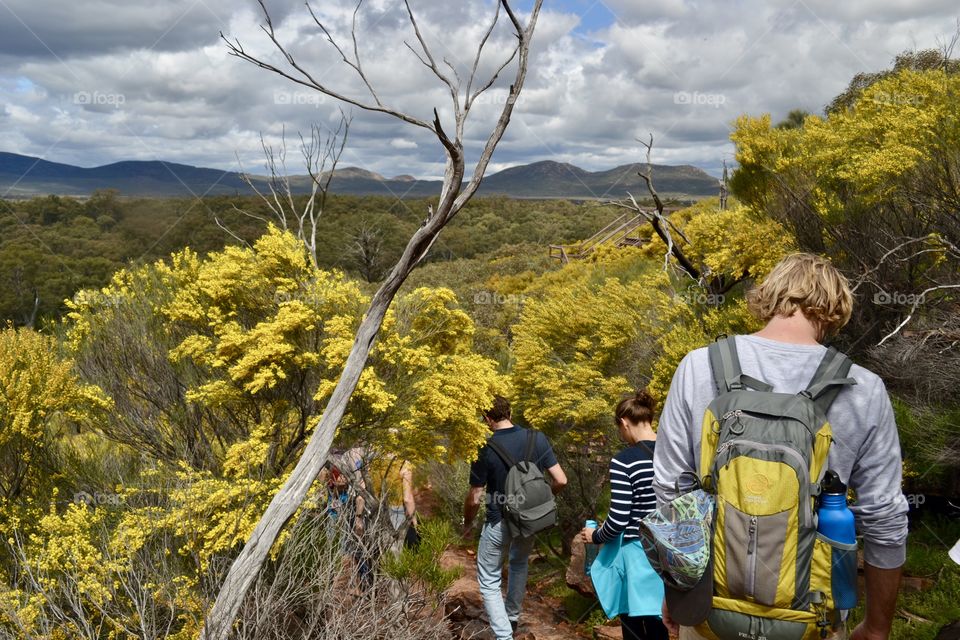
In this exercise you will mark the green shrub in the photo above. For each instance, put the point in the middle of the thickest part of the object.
(422, 564)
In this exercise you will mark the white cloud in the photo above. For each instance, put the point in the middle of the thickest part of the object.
(402, 143)
(123, 79)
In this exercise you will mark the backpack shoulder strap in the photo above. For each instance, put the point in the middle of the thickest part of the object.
(531, 446)
(502, 452)
(726, 368)
(830, 377)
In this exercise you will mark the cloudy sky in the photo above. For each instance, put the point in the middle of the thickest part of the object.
(99, 81)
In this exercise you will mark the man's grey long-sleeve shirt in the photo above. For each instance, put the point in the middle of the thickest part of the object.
(866, 446)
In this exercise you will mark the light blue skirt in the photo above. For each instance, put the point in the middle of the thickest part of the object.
(624, 581)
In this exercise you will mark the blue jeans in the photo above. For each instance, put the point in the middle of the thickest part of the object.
(495, 545)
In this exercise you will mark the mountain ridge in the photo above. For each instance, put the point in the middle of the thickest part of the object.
(27, 176)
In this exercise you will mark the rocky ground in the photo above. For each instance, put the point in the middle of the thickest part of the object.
(543, 617)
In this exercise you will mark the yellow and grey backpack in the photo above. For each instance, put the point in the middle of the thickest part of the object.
(763, 455)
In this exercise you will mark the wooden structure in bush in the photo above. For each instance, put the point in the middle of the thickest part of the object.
(622, 232)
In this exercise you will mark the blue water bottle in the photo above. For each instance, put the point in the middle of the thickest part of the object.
(835, 522)
(590, 550)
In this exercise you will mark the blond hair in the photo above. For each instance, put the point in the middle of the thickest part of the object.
(808, 283)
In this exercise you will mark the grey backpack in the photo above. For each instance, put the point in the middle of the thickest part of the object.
(528, 505)
(763, 456)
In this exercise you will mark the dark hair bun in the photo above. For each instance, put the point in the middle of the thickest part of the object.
(644, 398)
(637, 409)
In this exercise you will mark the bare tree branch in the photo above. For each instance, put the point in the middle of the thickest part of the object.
(281, 199)
(354, 64)
(523, 48)
(453, 196)
(426, 50)
(920, 298)
(304, 78)
(513, 17)
(431, 64)
(661, 224)
(229, 232)
(476, 59)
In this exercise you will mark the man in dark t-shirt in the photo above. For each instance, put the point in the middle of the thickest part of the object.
(488, 475)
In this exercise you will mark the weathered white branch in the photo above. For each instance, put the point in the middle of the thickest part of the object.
(454, 195)
(306, 79)
(921, 298)
(476, 59)
(281, 200)
(660, 222)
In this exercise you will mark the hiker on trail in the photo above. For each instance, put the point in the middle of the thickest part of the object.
(752, 416)
(339, 472)
(392, 481)
(346, 507)
(337, 491)
(631, 498)
(513, 469)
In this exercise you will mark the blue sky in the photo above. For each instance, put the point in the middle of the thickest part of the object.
(594, 16)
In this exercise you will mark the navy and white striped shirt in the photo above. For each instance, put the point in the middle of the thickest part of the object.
(631, 493)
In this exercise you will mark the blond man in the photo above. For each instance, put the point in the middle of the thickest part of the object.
(803, 301)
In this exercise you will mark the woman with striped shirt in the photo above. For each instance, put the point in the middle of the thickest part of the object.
(632, 497)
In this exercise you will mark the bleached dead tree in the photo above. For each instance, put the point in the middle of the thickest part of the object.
(661, 224)
(321, 155)
(672, 236)
(455, 193)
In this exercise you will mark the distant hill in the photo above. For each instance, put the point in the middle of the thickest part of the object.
(562, 180)
(24, 176)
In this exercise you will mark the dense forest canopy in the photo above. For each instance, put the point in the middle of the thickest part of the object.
(52, 247)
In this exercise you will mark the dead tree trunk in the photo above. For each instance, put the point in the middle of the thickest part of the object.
(665, 230)
(454, 195)
(321, 158)
(661, 223)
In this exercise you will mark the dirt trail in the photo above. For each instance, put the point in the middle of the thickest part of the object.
(541, 619)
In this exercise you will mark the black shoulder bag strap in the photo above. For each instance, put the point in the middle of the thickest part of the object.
(531, 445)
(646, 448)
